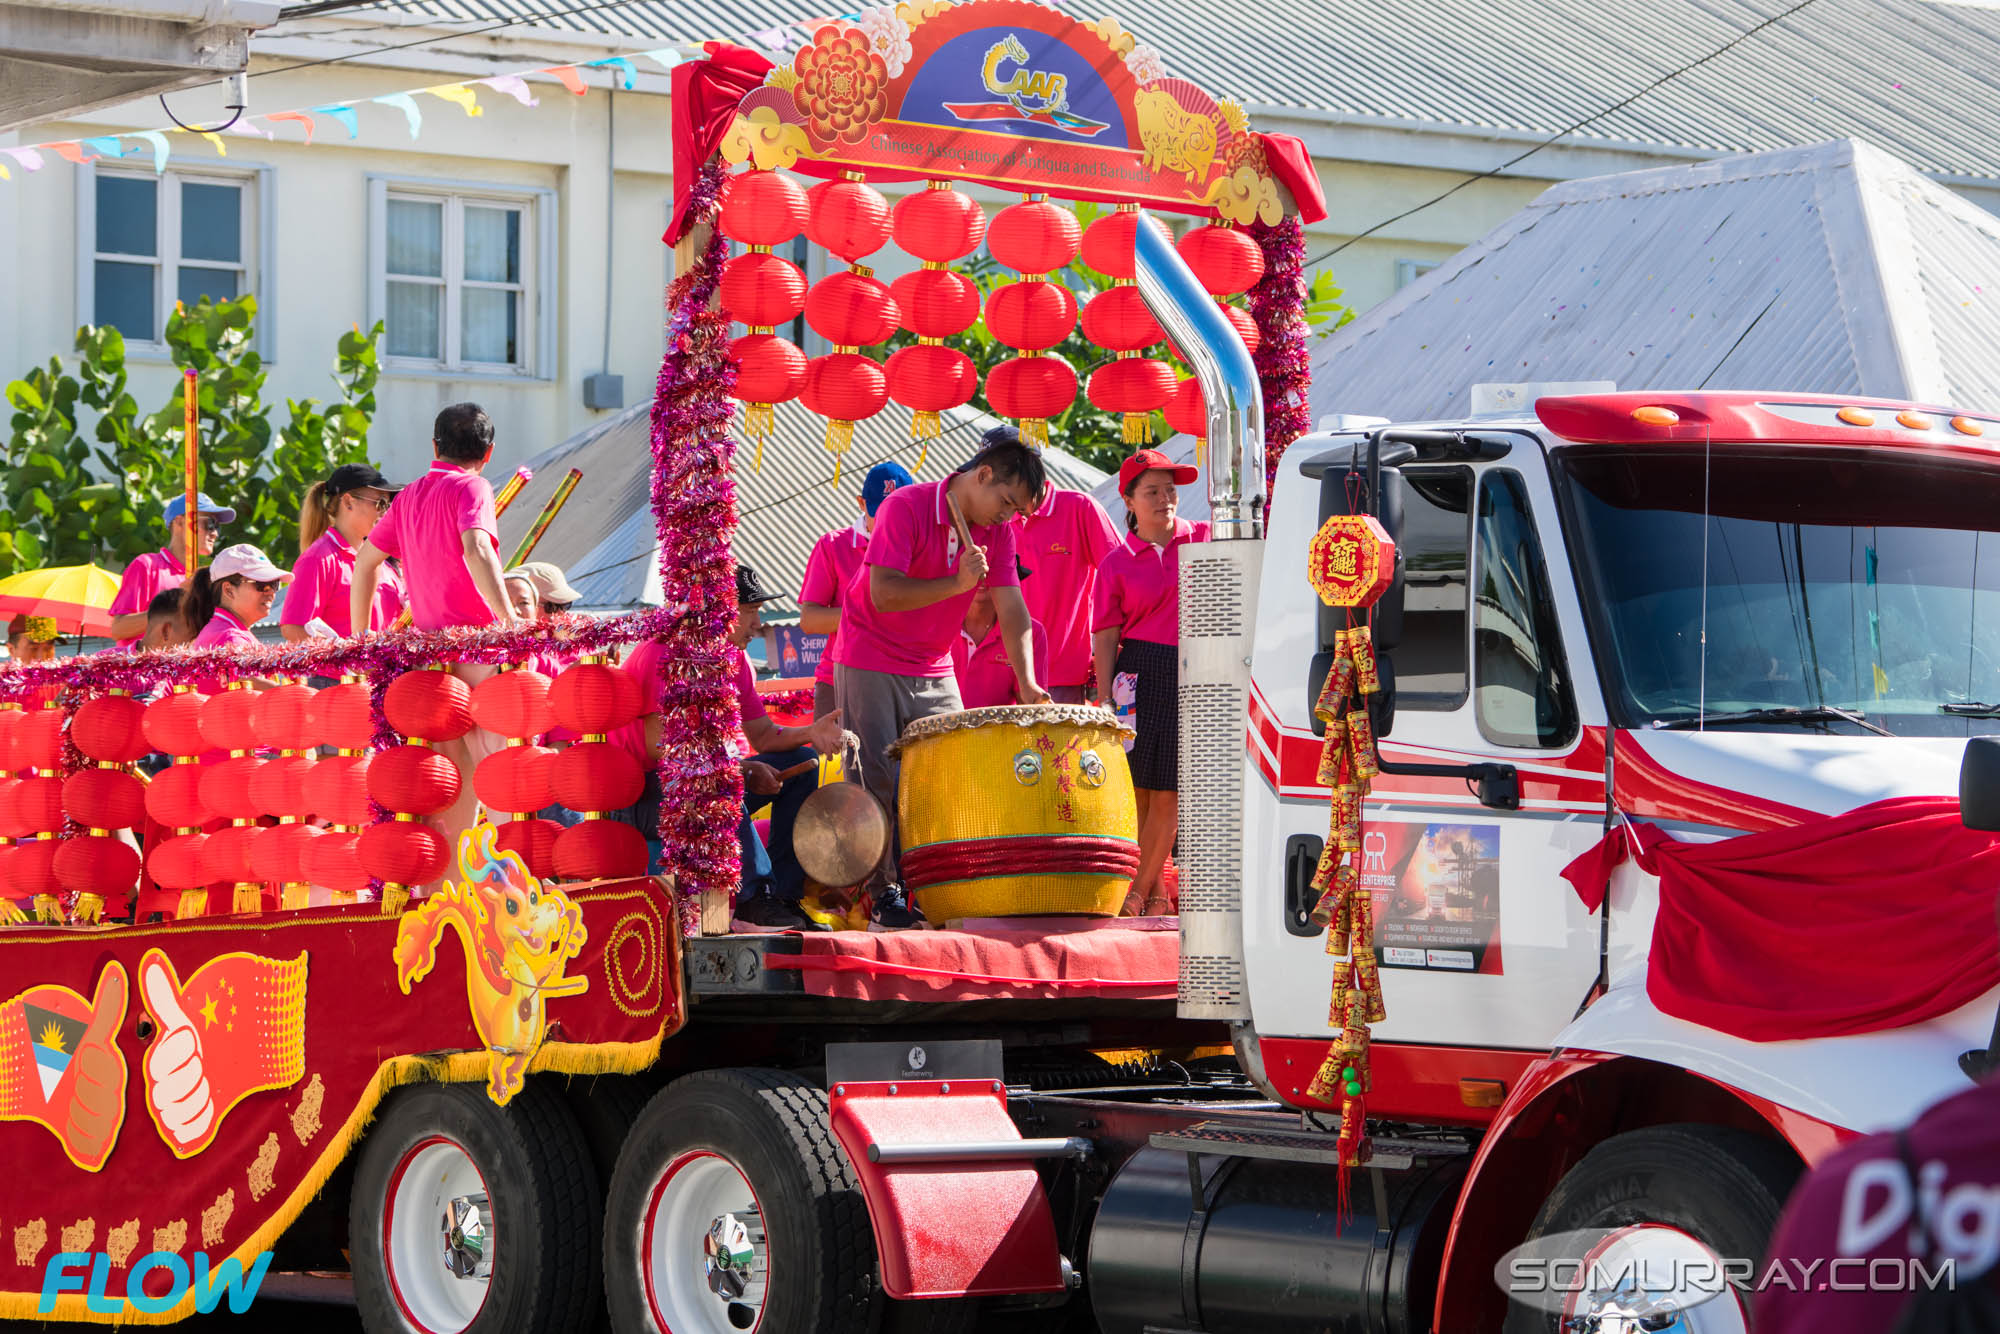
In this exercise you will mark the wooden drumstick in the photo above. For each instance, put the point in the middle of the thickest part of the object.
(958, 522)
(786, 775)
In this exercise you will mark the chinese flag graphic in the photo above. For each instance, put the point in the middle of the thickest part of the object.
(60, 1066)
(236, 1026)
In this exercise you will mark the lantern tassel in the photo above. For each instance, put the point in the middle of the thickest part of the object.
(249, 898)
(11, 914)
(295, 896)
(926, 425)
(839, 438)
(1201, 453)
(193, 903)
(760, 422)
(1035, 430)
(47, 910)
(89, 907)
(395, 898)
(343, 897)
(1138, 428)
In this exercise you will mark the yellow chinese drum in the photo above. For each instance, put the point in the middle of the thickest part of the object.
(1017, 811)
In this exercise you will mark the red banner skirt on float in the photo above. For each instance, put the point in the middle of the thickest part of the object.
(1855, 923)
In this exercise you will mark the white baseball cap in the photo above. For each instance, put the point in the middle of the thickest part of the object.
(247, 561)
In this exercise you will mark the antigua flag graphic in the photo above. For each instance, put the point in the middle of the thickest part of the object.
(54, 1037)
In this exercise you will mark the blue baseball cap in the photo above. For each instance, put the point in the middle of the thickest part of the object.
(883, 478)
(178, 506)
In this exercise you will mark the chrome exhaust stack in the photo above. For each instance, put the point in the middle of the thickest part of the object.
(1218, 622)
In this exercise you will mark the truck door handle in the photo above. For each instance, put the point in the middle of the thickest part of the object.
(1302, 853)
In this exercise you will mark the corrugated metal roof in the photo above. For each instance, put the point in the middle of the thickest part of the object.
(604, 538)
(1832, 268)
(1915, 77)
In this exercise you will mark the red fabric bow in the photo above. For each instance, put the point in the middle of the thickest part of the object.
(1292, 165)
(1854, 923)
(706, 94)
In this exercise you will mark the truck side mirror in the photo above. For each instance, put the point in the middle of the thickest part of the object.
(1979, 784)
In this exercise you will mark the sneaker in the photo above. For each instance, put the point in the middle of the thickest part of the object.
(765, 912)
(894, 911)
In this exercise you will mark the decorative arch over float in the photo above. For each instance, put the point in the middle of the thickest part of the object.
(1004, 93)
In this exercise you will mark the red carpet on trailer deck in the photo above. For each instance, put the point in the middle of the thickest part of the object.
(1019, 958)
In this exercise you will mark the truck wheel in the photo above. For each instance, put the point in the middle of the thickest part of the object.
(1645, 1198)
(732, 1208)
(468, 1216)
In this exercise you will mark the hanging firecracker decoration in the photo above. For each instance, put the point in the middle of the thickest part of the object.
(847, 217)
(1032, 390)
(762, 208)
(1135, 387)
(1349, 564)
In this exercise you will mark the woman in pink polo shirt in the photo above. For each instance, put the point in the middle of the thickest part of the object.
(1136, 639)
(336, 518)
(232, 594)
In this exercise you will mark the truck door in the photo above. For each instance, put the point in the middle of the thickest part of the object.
(1481, 943)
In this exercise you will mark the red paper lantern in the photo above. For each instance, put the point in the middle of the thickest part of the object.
(225, 857)
(10, 718)
(594, 697)
(278, 787)
(1137, 387)
(110, 727)
(336, 789)
(762, 290)
(849, 218)
(935, 302)
(285, 854)
(852, 308)
(1117, 320)
(413, 779)
(929, 379)
(175, 863)
(38, 740)
(96, 864)
(31, 869)
(1032, 316)
(403, 852)
(1246, 329)
(938, 224)
(229, 722)
(596, 776)
(173, 724)
(515, 703)
(227, 787)
(284, 718)
(1034, 236)
(600, 850)
(845, 388)
(1225, 260)
(762, 208)
(1031, 390)
(10, 826)
(769, 370)
(428, 706)
(173, 798)
(104, 799)
(335, 862)
(38, 806)
(515, 780)
(1108, 242)
(340, 716)
(534, 841)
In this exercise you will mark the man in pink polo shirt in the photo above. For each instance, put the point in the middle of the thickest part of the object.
(157, 571)
(831, 567)
(443, 528)
(1063, 541)
(934, 544)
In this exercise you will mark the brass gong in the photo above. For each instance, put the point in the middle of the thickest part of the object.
(841, 834)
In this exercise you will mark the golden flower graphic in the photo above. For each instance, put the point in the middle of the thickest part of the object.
(843, 84)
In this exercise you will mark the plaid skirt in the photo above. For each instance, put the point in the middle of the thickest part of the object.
(1156, 756)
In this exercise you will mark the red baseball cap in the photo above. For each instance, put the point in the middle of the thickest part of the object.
(1148, 459)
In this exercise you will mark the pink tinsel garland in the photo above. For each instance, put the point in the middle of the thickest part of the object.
(694, 508)
(1284, 368)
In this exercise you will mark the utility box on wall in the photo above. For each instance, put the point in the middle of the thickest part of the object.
(603, 392)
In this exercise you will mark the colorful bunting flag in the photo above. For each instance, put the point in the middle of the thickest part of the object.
(158, 143)
(624, 67)
(406, 104)
(69, 151)
(105, 145)
(26, 157)
(568, 77)
(664, 59)
(459, 96)
(345, 115)
(514, 86)
(299, 116)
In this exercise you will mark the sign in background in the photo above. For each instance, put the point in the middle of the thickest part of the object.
(1436, 893)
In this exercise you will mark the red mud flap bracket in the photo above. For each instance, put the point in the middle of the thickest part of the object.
(952, 1192)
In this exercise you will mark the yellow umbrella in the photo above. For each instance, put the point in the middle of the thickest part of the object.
(76, 597)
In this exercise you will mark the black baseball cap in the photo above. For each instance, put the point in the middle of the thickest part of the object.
(749, 588)
(357, 477)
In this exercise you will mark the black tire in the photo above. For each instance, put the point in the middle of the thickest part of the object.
(546, 1207)
(770, 1126)
(1722, 1186)
(606, 1107)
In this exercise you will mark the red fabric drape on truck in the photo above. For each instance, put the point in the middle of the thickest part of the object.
(706, 93)
(1874, 919)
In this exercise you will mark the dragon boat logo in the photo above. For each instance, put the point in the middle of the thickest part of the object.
(1027, 94)
(519, 936)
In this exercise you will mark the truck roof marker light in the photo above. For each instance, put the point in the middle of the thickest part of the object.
(1652, 415)
(1856, 416)
(1916, 421)
(1967, 426)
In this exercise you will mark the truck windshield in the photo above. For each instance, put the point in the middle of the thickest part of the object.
(1865, 581)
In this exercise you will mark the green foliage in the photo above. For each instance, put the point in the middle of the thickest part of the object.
(67, 502)
(1324, 310)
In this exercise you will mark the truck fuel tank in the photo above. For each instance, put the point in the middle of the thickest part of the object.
(1266, 1251)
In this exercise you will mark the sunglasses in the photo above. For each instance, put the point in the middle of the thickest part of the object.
(207, 527)
(553, 607)
(261, 585)
(381, 503)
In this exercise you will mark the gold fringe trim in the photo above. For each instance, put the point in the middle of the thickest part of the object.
(1138, 428)
(248, 898)
(47, 909)
(395, 898)
(89, 907)
(11, 914)
(295, 896)
(1035, 430)
(926, 425)
(839, 436)
(193, 903)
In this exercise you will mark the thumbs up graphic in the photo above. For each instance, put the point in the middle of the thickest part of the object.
(176, 1081)
(97, 1092)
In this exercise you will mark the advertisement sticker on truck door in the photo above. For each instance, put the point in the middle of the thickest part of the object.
(1436, 893)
